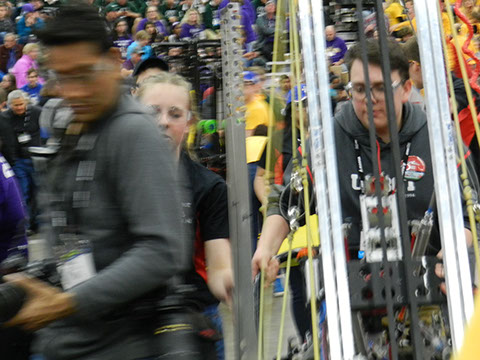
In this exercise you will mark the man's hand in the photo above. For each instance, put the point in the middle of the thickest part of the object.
(265, 261)
(220, 284)
(439, 268)
(251, 55)
(44, 303)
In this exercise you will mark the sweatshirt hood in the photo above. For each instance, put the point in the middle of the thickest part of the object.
(413, 119)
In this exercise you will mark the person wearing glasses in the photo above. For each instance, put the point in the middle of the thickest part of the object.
(354, 154)
(168, 95)
(114, 221)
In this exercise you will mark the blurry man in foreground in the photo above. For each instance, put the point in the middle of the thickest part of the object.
(118, 214)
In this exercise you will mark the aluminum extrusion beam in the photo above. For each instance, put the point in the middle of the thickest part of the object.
(324, 165)
(237, 182)
(447, 189)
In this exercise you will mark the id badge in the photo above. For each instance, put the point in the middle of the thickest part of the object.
(76, 270)
(76, 264)
(24, 138)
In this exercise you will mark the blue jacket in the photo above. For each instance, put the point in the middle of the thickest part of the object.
(24, 30)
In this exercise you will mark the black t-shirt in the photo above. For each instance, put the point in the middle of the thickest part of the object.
(210, 206)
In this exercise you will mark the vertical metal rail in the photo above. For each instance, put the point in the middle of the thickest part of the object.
(447, 190)
(376, 172)
(324, 165)
(237, 181)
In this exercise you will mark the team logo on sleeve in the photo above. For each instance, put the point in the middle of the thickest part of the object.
(415, 169)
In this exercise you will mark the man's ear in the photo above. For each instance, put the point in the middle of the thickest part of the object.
(406, 89)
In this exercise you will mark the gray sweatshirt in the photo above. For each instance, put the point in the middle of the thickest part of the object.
(133, 220)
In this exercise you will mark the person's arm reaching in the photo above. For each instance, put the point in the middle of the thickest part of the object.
(274, 231)
(218, 256)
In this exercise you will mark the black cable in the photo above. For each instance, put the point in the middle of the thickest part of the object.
(417, 344)
(376, 172)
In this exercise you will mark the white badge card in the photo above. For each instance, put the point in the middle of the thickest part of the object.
(24, 138)
(77, 269)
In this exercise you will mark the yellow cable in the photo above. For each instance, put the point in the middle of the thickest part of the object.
(285, 297)
(260, 353)
(303, 172)
(277, 40)
(467, 190)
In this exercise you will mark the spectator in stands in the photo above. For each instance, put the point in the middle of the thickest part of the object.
(415, 72)
(33, 87)
(395, 13)
(285, 86)
(147, 68)
(129, 65)
(122, 9)
(151, 30)
(121, 37)
(27, 61)
(6, 24)
(176, 31)
(186, 5)
(142, 39)
(9, 83)
(410, 22)
(192, 26)
(257, 107)
(22, 131)
(336, 47)
(211, 274)
(171, 12)
(266, 31)
(29, 22)
(10, 52)
(211, 16)
(3, 100)
(259, 6)
(153, 16)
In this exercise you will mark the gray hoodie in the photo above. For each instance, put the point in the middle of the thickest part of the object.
(414, 130)
(133, 220)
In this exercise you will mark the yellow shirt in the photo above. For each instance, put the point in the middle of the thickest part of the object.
(257, 113)
(394, 12)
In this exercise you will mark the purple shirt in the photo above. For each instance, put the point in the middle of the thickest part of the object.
(191, 31)
(248, 19)
(336, 49)
(12, 211)
(123, 42)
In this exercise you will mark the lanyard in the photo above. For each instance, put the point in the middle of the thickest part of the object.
(360, 170)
